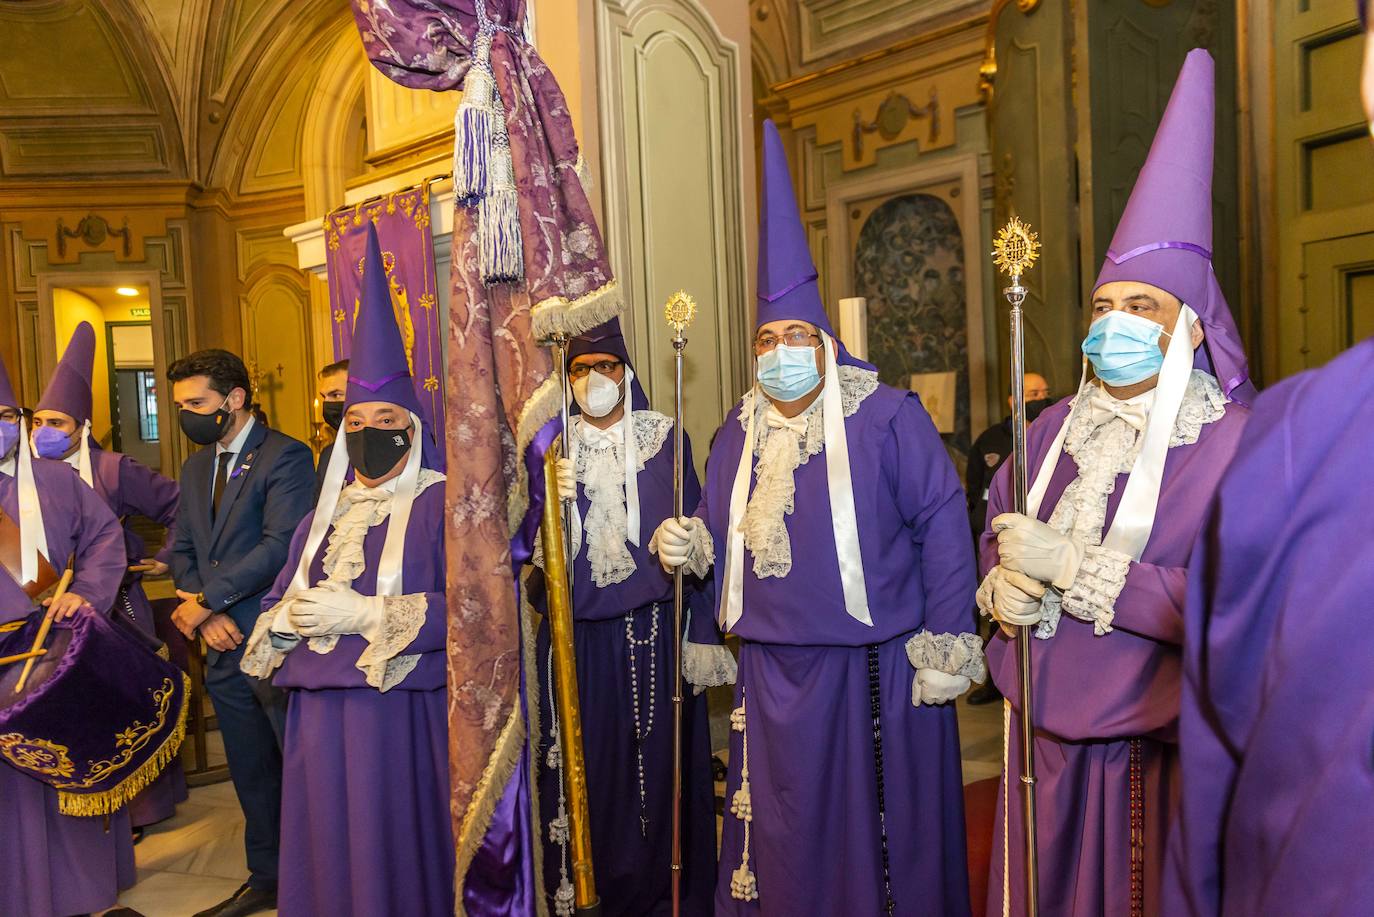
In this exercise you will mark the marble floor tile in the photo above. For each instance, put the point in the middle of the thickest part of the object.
(172, 894)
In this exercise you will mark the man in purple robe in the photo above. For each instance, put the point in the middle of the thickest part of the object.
(53, 864)
(619, 476)
(1121, 475)
(1276, 722)
(839, 538)
(62, 432)
(357, 623)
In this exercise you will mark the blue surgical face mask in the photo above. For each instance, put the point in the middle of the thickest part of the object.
(9, 435)
(787, 373)
(1124, 348)
(51, 443)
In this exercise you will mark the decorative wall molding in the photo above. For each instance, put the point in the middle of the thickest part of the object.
(162, 271)
(892, 117)
(92, 230)
(831, 26)
(673, 191)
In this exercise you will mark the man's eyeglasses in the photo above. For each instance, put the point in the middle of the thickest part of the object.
(798, 338)
(605, 367)
(10, 416)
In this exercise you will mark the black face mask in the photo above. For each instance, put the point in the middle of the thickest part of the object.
(373, 451)
(204, 429)
(333, 413)
(1033, 408)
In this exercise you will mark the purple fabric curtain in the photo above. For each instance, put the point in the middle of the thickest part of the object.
(503, 383)
(403, 228)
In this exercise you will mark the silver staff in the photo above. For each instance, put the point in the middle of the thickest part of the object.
(1015, 250)
(680, 311)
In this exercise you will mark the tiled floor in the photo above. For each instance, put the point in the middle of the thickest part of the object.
(196, 858)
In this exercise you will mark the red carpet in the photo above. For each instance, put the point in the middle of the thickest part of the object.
(980, 809)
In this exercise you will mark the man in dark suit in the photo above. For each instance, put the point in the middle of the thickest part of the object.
(333, 386)
(241, 499)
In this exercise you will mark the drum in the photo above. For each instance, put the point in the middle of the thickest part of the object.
(100, 716)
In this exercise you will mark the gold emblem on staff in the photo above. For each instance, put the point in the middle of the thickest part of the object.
(1015, 248)
(680, 311)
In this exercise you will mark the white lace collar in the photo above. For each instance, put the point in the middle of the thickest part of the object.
(1203, 403)
(1105, 452)
(781, 452)
(856, 384)
(600, 469)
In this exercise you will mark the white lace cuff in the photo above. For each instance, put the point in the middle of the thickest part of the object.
(701, 552)
(402, 618)
(262, 655)
(952, 654)
(1100, 579)
(707, 665)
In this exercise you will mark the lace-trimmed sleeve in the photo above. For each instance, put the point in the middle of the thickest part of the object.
(1100, 579)
(707, 665)
(402, 618)
(952, 654)
(262, 655)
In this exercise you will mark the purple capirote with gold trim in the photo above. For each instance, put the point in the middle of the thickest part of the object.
(100, 716)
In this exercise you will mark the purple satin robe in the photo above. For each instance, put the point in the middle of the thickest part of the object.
(364, 825)
(56, 865)
(814, 841)
(130, 488)
(1097, 697)
(1278, 692)
(633, 860)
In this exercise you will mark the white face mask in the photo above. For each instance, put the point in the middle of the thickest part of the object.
(596, 395)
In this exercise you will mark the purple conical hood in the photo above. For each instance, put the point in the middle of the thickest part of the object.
(1164, 237)
(607, 338)
(787, 275)
(69, 389)
(378, 369)
(7, 397)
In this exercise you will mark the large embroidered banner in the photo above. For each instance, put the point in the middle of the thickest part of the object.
(403, 228)
(528, 262)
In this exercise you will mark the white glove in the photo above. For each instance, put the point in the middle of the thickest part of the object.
(1029, 546)
(567, 480)
(332, 609)
(1011, 599)
(931, 686)
(674, 541)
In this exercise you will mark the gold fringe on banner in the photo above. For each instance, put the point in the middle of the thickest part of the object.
(121, 794)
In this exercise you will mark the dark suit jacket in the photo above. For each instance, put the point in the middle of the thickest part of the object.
(235, 559)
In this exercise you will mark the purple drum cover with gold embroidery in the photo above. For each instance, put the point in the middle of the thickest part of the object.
(100, 716)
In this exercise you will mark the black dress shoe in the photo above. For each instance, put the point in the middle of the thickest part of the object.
(985, 693)
(247, 900)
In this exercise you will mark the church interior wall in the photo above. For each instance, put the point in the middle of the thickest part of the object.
(205, 128)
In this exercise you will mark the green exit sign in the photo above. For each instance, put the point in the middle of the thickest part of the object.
(141, 312)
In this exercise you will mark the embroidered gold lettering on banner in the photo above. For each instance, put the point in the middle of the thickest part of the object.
(37, 755)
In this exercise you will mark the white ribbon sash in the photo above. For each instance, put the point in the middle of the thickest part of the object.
(33, 537)
(389, 567)
(1135, 514)
(843, 518)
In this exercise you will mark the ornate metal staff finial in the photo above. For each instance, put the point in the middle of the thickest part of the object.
(680, 310)
(1015, 249)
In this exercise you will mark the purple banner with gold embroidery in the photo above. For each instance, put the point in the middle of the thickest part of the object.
(403, 228)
